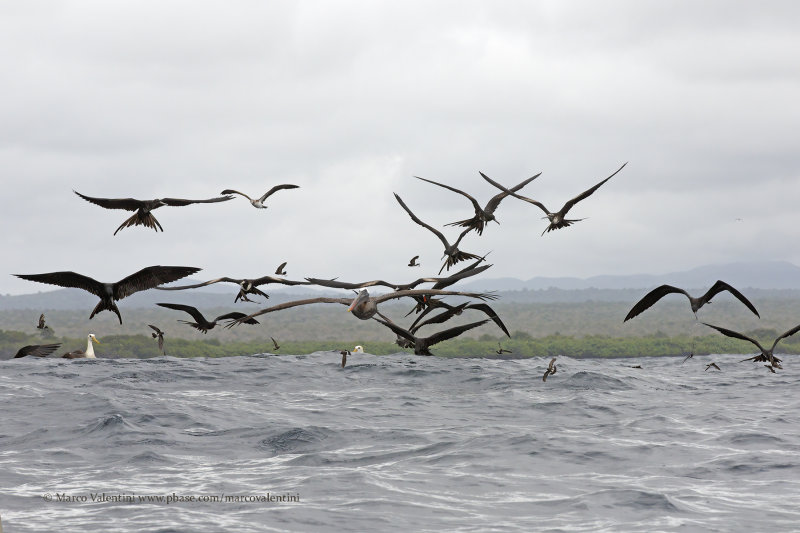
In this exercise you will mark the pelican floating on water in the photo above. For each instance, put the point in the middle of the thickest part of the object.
(83, 354)
(144, 216)
(696, 303)
(258, 203)
(146, 278)
(557, 219)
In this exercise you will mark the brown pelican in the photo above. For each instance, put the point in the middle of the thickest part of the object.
(551, 369)
(146, 278)
(451, 251)
(696, 303)
(482, 215)
(246, 286)
(83, 354)
(413, 261)
(143, 208)
(158, 334)
(201, 323)
(500, 350)
(714, 365)
(280, 270)
(422, 345)
(765, 355)
(41, 324)
(259, 203)
(38, 350)
(558, 219)
(275, 343)
(363, 306)
(451, 311)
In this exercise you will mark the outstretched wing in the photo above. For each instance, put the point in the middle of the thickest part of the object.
(235, 315)
(588, 192)
(453, 332)
(38, 350)
(178, 202)
(720, 286)
(196, 285)
(400, 332)
(421, 223)
(231, 191)
(68, 279)
(433, 292)
(128, 204)
(737, 335)
(150, 277)
(198, 317)
(787, 334)
(540, 205)
(652, 297)
(475, 203)
(444, 316)
(272, 279)
(154, 328)
(275, 189)
(491, 206)
(491, 314)
(289, 305)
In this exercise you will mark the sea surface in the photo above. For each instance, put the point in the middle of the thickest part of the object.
(398, 443)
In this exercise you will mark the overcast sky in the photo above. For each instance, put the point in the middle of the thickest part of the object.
(349, 100)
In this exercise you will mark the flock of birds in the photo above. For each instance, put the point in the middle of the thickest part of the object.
(363, 306)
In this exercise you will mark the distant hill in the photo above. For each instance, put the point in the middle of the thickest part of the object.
(757, 275)
(779, 278)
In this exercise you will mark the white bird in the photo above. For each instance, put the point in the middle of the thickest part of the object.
(259, 203)
(83, 354)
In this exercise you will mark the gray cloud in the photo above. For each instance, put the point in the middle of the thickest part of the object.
(349, 101)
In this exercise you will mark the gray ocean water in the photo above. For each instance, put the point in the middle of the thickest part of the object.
(398, 443)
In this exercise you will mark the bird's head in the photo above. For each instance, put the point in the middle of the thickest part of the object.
(362, 297)
(93, 338)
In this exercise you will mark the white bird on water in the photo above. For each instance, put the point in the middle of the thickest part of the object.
(83, 354)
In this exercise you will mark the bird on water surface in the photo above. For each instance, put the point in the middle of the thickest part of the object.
(88, 353)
